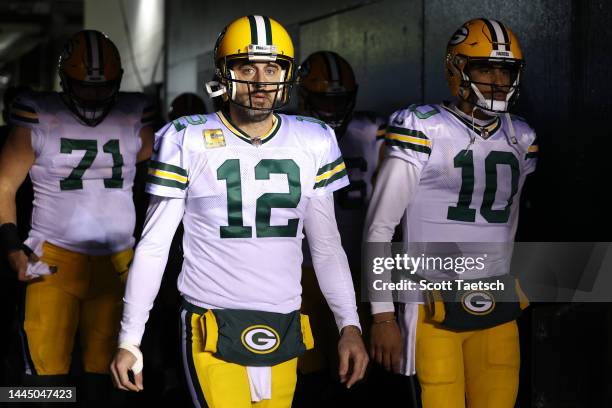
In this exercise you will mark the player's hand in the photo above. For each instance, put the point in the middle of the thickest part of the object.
(353, 356)
(122, 363)
(19, 262)
(386, 341)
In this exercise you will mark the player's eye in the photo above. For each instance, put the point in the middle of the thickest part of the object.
(246, 70)
(271, 71)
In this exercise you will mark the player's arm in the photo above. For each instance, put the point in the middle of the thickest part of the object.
(396, 184)
(146, 135)
(334, 277)
(144, 280)
(16, 159)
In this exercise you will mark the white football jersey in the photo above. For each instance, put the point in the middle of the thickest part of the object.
(82, 175)
(470, 184)
(244, 204)
(360, 146)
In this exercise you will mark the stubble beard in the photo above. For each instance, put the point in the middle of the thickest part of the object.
(252, 115)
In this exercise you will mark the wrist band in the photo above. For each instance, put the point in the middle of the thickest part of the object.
(28, 251)
(9, 237)
(137, 367)
(384, 321)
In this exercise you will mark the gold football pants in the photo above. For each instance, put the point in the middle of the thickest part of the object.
(85, 294)
(480, 367)
(215, 383)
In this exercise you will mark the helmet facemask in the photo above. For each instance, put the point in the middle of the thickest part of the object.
(328, 90)
(90, 101)
(471, 93)
(333, 108)
(228, 82)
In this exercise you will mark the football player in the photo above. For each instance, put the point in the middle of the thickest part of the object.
(80, 148)
(456, 171)
(328, 91)
(245, 181)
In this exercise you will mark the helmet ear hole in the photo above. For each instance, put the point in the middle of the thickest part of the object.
(464, 92)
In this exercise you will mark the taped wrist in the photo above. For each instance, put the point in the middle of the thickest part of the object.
(135, 350)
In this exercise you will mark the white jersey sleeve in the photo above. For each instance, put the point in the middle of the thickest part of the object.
(531, 156)
(147, 268)
(407, 138)
(331, 175)
(330, 262)
(396, 185)
(169, 167)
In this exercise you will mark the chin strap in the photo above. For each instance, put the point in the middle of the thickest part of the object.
(492, 106)
(511, 138)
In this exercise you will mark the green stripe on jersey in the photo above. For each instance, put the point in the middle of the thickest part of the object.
(167, 167)
(403, 145)
(330, 166)
(166, 183)
(330, 180)
(407, 132)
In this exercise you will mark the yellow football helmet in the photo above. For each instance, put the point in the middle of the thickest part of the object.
(258, 39)
(90, 75)
(483, 41)
(328, 89)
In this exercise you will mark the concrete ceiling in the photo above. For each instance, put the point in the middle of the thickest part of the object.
(24, 24)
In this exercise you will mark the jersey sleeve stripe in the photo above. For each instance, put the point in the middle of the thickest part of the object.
(330, 166)
(336, 176)
(403, 145)
(406, 132)
(340, 167)
(167, 167)
(23, 116)
(168, 175)
(151, 179)
(532, 152)
(409, 139)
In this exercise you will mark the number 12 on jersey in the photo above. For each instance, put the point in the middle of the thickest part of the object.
(230, 172)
